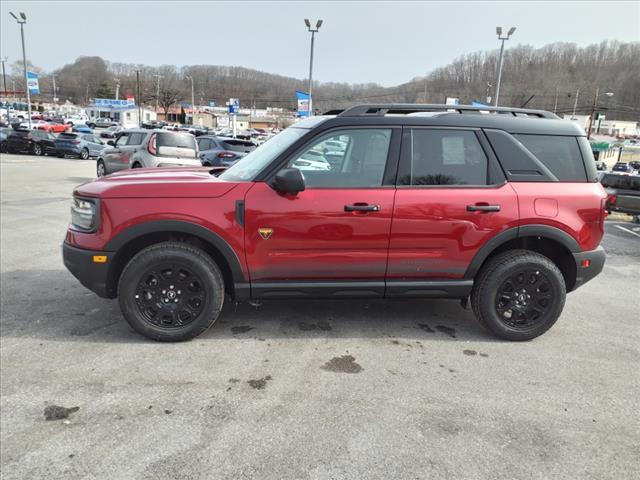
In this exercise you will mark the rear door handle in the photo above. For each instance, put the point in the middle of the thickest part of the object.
(483, 208)
(361, 207)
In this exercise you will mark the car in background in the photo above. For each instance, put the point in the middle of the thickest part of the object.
(601, 166)
(635, 164)
(79, 145)
(36, 142)
(101, 123)
(55, 127)
(4, 133)
(312, 160)
(76, 120)
(623, 193)
(153, 124)
(140, 148)
(222, 151)
(111, 132)
(81, 128)
(622, 167)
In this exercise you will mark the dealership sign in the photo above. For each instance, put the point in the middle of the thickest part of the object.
(32, 83)
(114, 103)
(303, 103)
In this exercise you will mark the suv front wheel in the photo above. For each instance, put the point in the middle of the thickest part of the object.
(518, 295)
(171, 292)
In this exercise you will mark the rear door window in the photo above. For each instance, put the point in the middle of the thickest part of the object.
(179, 140)
(136, 138)
(561, 155)
(443, 157)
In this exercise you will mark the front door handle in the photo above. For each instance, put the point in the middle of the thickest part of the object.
(361, 207)
(483, 207)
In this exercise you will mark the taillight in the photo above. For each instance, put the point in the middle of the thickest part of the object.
(612, 199)
(225, 155)
(151, 147)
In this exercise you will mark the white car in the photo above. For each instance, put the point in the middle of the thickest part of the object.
(312, 160)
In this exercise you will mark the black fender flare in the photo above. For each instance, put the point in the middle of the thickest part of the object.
(543, 231)
(162, 226)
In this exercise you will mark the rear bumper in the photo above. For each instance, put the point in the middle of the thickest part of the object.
(67, 150)
(92, 275)
(595, 259)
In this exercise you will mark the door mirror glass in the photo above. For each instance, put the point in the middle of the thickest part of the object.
(289, 180)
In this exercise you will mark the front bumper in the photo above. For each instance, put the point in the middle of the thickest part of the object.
(94, 276)
(595, 259)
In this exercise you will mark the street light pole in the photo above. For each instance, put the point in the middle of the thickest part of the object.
(313, 34)
(499, 72)
(21, 21)
(55, 90)
(117, 88)
(138, 100)
(594, 107)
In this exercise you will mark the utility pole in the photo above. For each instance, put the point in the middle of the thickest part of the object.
(117, 88)
(555, 105)
(575, 104)
(499, 72)
(158, 77)
(21, 21)
(594, 107)
(313, 33)
(193, 100)
(55, 91)
(138, 98)
(4, 76)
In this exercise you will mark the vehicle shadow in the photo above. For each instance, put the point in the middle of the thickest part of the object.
(52, 305)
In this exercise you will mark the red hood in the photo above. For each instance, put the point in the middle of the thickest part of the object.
(179, 182)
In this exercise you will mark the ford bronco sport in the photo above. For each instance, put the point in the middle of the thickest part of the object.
(416, 201)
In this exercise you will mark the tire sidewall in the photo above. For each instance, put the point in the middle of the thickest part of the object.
(206, 270)
(489, 291)
(104, 170)
(84, 154)
(37, 149)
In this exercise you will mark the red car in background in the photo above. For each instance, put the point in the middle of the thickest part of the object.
(52, 127)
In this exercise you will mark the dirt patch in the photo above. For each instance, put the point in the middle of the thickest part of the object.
(241, 329)
(260, 383)
(447, 330)
(484, 355)
(307, 327)
(426, 328)
(470, 352)
(343, 364)
(56, 412)
(234, 380)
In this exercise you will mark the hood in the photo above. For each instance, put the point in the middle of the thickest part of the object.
(197, 182)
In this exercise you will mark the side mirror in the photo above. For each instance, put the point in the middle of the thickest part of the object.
(112, 143)
(289, 180)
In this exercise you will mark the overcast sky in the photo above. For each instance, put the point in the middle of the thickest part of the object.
(383, 42)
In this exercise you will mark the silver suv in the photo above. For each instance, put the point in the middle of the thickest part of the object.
(148, 148)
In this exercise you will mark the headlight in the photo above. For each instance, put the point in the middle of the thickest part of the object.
(84, 217)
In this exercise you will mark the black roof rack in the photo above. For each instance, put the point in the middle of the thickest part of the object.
(406, 108)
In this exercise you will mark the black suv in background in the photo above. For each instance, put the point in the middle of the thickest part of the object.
(623, 193)
(36, 142)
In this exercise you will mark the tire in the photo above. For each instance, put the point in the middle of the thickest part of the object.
(84, 154)
(60, 155)
(136, 165)
(3, 147)
(171, 292)
(502, 302)
(101, 169)
(36, 149)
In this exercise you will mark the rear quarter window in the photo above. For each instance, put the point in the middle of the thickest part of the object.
(561, 155)
(182, 140)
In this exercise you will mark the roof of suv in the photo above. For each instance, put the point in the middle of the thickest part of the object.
(512, 120)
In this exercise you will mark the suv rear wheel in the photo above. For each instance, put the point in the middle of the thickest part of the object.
(101, 171)
(36, 149)
(171, 292)
(518, 295)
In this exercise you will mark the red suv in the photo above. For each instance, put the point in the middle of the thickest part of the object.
(394, 201)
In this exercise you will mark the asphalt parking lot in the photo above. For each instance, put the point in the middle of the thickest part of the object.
(320, 390)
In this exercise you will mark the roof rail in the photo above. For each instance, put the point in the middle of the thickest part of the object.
(406, 108)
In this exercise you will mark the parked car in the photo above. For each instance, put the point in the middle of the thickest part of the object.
(80, 145)
(81, 128)
(312, 160)
(635, 164)
(406, 214)
(54, 127)
(101, 123)
(623, 193)
(221, 151)
(110, 132)
(76, 120)
(36, 142)
(142, 148)
(622, 167)
(4, 132)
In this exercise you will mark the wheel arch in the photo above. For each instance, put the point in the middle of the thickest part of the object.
(549, 241)
(134, 239)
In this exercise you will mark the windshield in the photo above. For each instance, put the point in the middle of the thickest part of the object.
(249, 166)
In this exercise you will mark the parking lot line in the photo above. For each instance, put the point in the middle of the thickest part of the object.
(627, 230)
